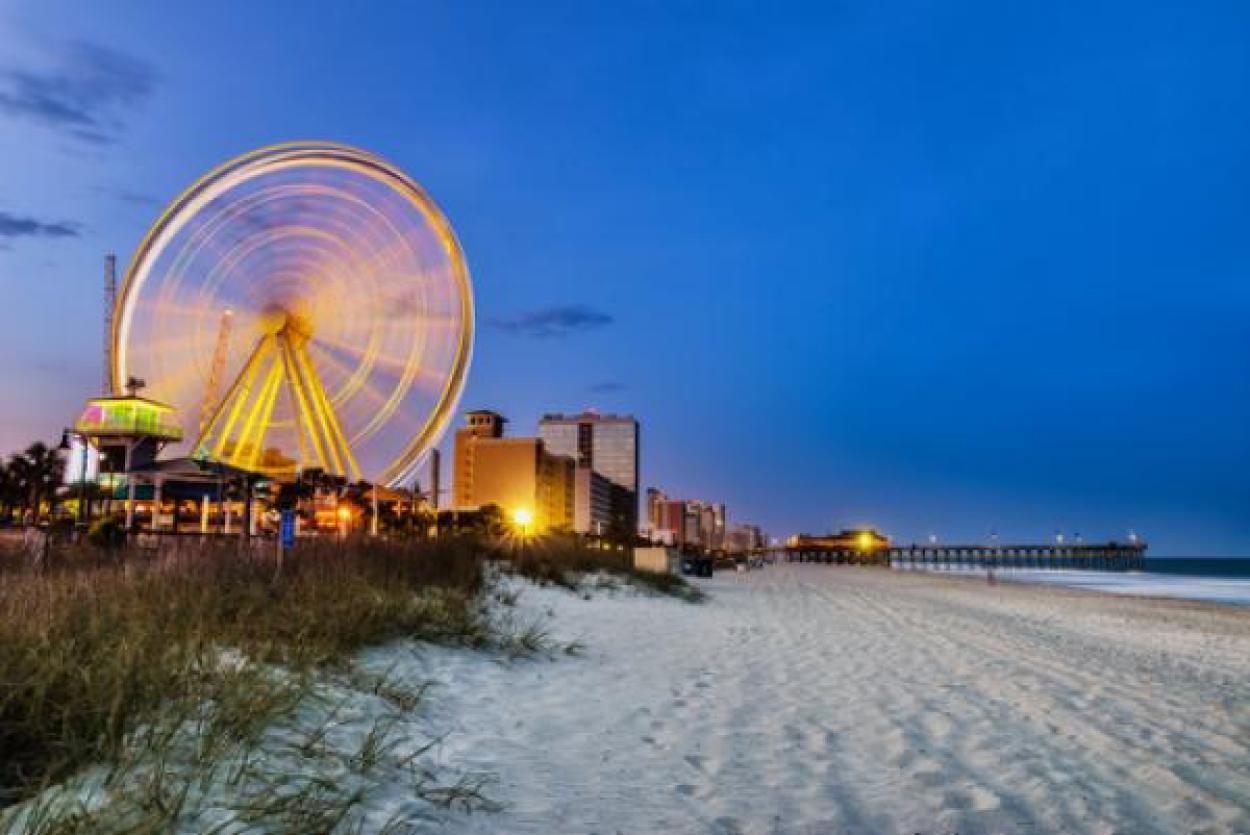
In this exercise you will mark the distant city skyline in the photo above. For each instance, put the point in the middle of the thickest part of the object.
(935, 269)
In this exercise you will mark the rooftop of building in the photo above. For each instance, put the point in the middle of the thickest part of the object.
(589, 415)
(502, 441)
(131, 398)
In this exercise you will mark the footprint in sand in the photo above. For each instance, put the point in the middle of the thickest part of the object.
(956, 800)
(976, 797)
(696, 762)
(983, 800)
(686, 789)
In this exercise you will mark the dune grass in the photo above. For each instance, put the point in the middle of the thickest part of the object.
(92, 647)
(169, 671)
(565, 563)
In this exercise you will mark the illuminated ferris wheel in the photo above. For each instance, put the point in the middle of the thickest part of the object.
(303, 305)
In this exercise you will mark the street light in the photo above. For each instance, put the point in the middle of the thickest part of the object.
(523, 517)
(345, 516)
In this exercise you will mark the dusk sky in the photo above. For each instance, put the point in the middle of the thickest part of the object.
(940, 267)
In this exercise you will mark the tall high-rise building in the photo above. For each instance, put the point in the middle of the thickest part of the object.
(513, 473)
(607, 445)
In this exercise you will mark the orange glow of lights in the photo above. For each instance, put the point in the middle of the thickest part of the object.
(523, 517)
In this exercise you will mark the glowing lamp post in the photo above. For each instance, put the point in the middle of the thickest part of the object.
(345, 516)
(523, 518)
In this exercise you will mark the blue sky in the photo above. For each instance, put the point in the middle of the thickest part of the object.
(939, 267)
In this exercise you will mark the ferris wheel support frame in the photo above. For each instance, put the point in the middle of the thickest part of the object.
(315, 418)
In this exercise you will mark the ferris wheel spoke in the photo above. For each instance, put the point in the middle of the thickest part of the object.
(381, 407)
(394, 366)
(367, 389)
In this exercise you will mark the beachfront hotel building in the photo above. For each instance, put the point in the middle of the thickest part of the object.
(686, 522)
(605, 449)
(741, 539)
(516, 474)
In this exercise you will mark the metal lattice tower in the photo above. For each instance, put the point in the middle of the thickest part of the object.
(213, 384)
(110, 298)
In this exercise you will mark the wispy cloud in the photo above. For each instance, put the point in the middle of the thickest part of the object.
(607, 387)
(559, 321)
(86, 95)
(12, 226)
(122, 195)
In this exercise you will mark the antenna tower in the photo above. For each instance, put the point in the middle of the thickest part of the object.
(110, 298)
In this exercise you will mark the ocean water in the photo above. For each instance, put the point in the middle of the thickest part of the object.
(1210, 580)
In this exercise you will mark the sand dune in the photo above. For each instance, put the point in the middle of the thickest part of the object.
(812, 699)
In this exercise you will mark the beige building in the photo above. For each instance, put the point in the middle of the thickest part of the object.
(513, 473)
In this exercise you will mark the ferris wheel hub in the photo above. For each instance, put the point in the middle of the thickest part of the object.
(279, 320)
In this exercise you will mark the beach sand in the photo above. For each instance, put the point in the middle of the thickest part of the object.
(814, 699)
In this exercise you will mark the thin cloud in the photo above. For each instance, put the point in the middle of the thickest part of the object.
(85, 96)
(133, 198)
(12, 226)
(549, 322)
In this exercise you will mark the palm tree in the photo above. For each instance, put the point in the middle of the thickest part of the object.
(10, 490)
(35, 476)
(18, 470)
(50, 467)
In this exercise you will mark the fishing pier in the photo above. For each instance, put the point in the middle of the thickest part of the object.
(867, 547)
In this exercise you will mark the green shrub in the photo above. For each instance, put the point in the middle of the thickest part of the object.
(108, 533)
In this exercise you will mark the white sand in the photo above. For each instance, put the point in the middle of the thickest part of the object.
(824, 699)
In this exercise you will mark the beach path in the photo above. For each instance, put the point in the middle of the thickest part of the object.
(815, 699)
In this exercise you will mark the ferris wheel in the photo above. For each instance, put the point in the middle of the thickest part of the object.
(303, 305)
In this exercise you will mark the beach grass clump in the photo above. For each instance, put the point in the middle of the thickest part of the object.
(671, 585)
(326, 760)
(566, 562)
(94, 648)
